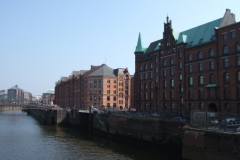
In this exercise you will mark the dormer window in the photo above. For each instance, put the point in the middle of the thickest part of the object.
(200, 41)
(190, 43)
(212, 37)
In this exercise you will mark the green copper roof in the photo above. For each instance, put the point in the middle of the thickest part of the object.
(197, 35)
(139, 47)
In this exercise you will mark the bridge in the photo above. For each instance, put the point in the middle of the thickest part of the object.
(9, 107)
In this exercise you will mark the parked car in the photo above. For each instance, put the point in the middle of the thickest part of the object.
(228, 121)
(179, 119)
(238, 129)
(214, 121)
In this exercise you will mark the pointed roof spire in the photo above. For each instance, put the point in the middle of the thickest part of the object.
(167, 18)
(139, 47)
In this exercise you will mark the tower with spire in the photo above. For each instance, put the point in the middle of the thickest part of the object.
(139, 48)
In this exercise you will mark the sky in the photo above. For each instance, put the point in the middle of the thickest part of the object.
(43, 40)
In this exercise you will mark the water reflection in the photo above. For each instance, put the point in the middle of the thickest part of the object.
(23, 137)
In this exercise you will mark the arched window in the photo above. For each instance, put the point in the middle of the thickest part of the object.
(120, 95)
(201, 80)
(238, 47)
(114, 98)
(212, 79)
(151, 65)
(108, 98)
(171, 61)
(151, 85)
(211, 53)
(190, 57)
(226, 77)
(164, 62)
(225, 49)
(200, 55)
(108, 81)
(190, 81)
(114, 105)
(140, 67)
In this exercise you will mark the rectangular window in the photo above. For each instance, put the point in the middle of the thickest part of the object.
(226, 63)
(180, 76)
(233, 34)
(140, 76)
(151, 75)
(238, 61)
(115, 92)
(181, 88)
(156, 59)
(171, 72)
(200, 67)
(108, 86)
(156, 79)
(212, 65)
(115, 86)
(120, 101)
(180, 65)
(238, 92)
(156, 69)
(190, 69)
(227, 93)
(108, 91)
(200, 94)
(164, 96)
(164, 73)
(190, 94)
(151, 96)
(224, 36)
(145, 75)
(172, 94)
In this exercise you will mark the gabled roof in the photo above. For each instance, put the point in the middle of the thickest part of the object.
(102, 70)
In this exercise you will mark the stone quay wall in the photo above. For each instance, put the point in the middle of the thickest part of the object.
(48, 116)
(206, 144)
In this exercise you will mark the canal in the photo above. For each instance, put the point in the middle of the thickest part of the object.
(23, 137)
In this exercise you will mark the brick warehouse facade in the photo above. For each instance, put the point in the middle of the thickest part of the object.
(100, 87)
(197, 69)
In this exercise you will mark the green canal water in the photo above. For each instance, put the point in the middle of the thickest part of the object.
(22, 137)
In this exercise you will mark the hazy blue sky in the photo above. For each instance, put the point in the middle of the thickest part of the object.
(42, 40)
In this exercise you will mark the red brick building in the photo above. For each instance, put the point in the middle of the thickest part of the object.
(101, 87)
(196, 69)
